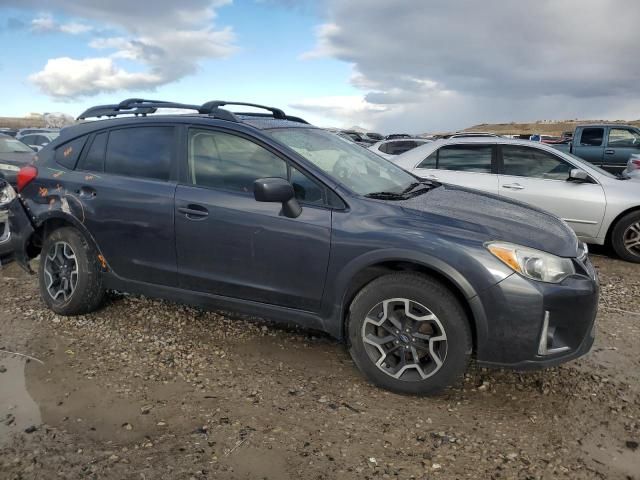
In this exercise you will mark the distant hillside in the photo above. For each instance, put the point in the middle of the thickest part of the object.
(543, 127)
(12, 122)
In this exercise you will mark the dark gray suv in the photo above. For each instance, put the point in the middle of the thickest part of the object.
(268, 215)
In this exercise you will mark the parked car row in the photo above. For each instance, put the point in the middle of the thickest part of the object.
(599, 206)
(271, 216)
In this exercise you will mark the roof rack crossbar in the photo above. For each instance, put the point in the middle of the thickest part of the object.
(216, 104)
(141, 106)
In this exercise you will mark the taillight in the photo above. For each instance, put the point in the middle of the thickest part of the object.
(26, 176)
(636, 163)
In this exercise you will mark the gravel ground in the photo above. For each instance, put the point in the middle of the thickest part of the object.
(145, 389)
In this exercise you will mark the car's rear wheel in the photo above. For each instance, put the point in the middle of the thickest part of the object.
(409, 334)
(625, 237)
(69, 273)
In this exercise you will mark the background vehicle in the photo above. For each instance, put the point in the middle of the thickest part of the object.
(12, 132)
(359, 137)
(471, 135)
(633, 167)
(600, 207)
(395, 136)
(272, 216)
(605, 145)
(389, 149)
(7, 195)
(39, 139)
(13, 155)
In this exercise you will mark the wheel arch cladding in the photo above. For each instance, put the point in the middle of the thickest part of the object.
(370, 272)
(52, 222)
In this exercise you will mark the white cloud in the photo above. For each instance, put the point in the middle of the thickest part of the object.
(166, 40)
(443, 64)
(343, 110)
(46, 24)
(65, 77)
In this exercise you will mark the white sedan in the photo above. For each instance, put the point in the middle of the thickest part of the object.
(600, 207)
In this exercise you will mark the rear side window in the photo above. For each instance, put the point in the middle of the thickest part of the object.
(465, 158)
(67, 154)
(144, 152)
(93, 161)
(592, 137)
(623, 137)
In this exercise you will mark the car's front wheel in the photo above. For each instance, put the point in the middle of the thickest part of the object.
(69, 273)
(625, 237)
(409, 334)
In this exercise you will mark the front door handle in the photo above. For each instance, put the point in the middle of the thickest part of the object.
(194, 212)
(513, 186)
(609, 151)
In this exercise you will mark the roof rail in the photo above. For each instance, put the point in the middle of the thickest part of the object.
(214, 105)
(291, 118)
(141, 106)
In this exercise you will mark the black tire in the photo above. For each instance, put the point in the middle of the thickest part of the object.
(626, 228)
(438, 300)
(89, 293)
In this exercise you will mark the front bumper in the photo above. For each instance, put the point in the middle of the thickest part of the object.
(533, 324)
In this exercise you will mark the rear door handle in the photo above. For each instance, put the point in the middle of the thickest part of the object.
(513, 186)
(609, 151)
(194, 212)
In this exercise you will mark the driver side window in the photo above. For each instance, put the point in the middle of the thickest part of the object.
(534, 163)
(229, 162)
(623, 137)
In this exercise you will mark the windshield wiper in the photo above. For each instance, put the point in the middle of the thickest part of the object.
(414, 185)
(386, 195)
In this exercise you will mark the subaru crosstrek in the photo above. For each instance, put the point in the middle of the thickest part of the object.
(266, 214)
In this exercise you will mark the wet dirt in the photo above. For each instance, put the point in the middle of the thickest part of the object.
(146, 389)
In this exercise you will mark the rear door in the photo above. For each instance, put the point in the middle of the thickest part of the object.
(590, 144)
(622, 142)
(125, 184)
(471, 165)
(537, 177)
(231, 245)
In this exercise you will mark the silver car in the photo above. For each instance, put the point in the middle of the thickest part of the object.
(600, 207)
(390, 149)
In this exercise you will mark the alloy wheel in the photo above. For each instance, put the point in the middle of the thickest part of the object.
(61, 271)
(404, 339)
(631, 238)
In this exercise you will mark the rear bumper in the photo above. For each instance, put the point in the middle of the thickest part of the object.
(21, 230)
(534, 324)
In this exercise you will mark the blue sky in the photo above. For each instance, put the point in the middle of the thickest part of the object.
(265, 67)
(412, 65)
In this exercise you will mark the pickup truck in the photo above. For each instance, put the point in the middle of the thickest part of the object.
(605, 145)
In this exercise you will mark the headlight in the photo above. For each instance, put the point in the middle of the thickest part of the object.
(532, 263)
(7, 194)
(9, 168)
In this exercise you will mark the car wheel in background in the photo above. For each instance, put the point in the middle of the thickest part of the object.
(69, 273)
(625, 237)
(409, 334)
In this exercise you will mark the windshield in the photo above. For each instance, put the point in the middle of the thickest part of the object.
(362, 171)
(11, 145)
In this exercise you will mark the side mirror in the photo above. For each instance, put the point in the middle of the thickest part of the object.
(578, 176)
(277, 190)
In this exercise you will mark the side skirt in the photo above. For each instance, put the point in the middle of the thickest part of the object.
(278, 314)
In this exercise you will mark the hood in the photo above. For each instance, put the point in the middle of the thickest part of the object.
(495, 218)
